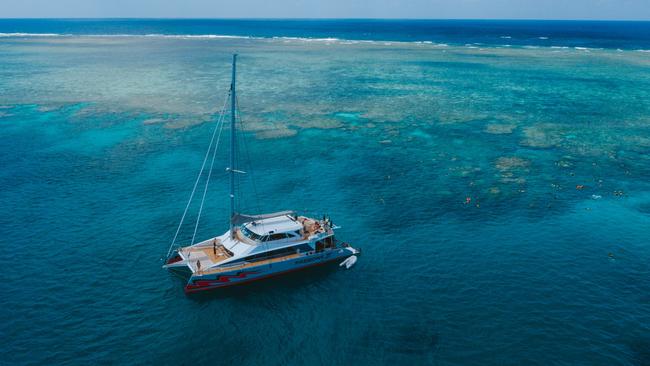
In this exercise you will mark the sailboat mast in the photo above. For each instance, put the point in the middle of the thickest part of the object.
(233, 103)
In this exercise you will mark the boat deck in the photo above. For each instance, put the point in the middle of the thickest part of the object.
(206, 254)
(312, 227)
(209, 256)
(248, 264)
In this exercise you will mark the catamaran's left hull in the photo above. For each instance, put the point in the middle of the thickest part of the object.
(249, 274)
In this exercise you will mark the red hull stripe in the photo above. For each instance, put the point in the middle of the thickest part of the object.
(220, 279)
(189, 288)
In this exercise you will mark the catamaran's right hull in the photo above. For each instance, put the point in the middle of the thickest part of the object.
(240, 275)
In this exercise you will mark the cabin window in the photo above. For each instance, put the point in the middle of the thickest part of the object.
(250, 234)
(272, 237)
(329, 242)
(324, 244)
(303, 248)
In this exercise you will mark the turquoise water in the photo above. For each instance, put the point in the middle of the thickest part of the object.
(102, 137)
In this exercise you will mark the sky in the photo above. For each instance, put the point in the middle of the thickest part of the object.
(421, 9)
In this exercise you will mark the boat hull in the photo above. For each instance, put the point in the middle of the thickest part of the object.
(239, 275)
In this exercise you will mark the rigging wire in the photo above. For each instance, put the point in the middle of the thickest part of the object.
(238, 181)
(207, 180)
(218, 127)
(250, 166)
(248, 158)
(198, 178)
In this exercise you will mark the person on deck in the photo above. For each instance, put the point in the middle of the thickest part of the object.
(214, 247)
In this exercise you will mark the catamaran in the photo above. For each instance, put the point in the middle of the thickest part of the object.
(255, 246)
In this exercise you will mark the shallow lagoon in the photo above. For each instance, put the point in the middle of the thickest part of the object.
(101, 138)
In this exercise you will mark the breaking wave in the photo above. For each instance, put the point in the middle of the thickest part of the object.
(298, 39)
(30, 35)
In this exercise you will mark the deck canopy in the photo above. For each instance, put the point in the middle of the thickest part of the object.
(239, 218)
(274, 227)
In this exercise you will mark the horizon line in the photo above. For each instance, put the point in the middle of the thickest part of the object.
(329, 18)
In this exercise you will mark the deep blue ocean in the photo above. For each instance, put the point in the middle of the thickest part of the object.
(595, 34)
(495, 174)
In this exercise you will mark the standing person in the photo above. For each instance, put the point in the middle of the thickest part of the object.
(214, 246)
(198, 266)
